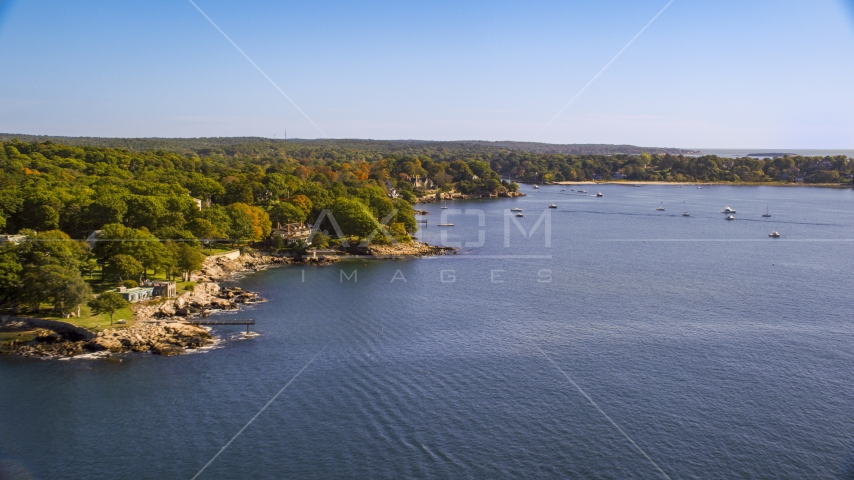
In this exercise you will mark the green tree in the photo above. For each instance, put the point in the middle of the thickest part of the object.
(10, 273)
(281, 186)
(108, 302)
(204, 230)
(124, 267)
(51, 247)
(241, 228)
(353, 217)
(284, 212)
(178, 235)
(117, 239)
(203, 188)
(145, 211)
(61, 286)
(218, 216)
(70, 293)
(257, 217)
(188, 260)
(105, 209)
(320, 241)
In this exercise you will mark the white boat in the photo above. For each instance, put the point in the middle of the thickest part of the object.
(553, 206)
(727, 210)
(774, 234)
(686, 214)
(582, 191)
(600, 194)
(517, 209)
(446, 224)
(766, 214)
(535, 187)
(730, 217)
(699, 187)
(660, 209)
(520, 215)
(444, 207)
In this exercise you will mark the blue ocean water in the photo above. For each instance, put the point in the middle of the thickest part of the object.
(709, 350)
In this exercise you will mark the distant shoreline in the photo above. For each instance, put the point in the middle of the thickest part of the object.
(710, 184)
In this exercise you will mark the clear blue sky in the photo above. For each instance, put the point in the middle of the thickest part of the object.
(727, 74)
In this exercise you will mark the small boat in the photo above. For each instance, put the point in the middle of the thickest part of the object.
(571, 189)
(686, 214)
(520, 215)
(553, 206)
(562, 190)
(767, 215)
(535, 187)
(699, 187)
(727, 210)
(730, 217)
(517, 209)
(660, 209)
(446, 224)
(582, 191)
(774, 234)
(600, 194)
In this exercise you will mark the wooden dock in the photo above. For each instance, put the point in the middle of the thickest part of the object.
(223, 322)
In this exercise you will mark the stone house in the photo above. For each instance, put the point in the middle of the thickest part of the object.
(137, 294)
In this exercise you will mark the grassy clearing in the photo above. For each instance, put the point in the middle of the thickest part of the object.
(91, 322)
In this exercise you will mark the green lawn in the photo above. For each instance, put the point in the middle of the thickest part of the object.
(89, 321)
(217, 249)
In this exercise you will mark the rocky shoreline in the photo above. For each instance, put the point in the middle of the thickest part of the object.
(463, 196)
(162, 326)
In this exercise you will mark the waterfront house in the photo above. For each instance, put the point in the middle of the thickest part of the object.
(137, 294)
(392, 192)
(426, 183)
(291, 232)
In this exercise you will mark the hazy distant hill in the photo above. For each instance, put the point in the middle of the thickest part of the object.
(207, 144)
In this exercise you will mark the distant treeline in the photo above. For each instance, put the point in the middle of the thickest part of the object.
(226, 145)
(672, 168)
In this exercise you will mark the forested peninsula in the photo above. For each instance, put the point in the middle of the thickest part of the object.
(81, 218)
